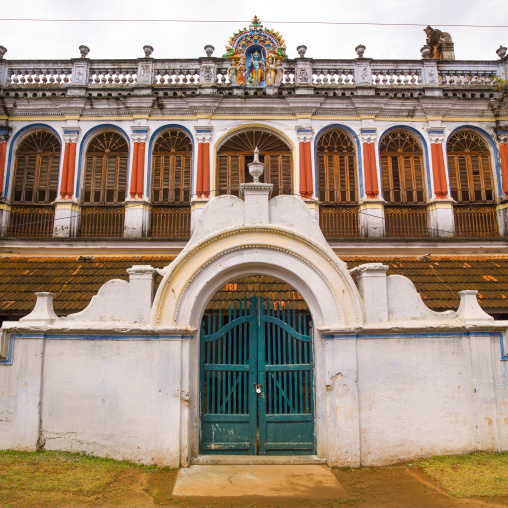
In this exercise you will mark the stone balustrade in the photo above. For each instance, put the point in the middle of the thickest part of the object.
(213, 72)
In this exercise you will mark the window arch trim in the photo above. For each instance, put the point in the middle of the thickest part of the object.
(493, 152)
(425, 152)
(16, 140)
(83, 147)
(151, 143)
(352, 134)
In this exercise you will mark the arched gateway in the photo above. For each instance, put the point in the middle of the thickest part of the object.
(258, 237)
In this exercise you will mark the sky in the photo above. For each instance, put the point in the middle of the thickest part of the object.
(48, 40)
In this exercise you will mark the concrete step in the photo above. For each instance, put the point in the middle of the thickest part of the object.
(256, 459)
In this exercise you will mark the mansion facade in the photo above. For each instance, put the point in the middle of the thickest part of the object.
(279, 317)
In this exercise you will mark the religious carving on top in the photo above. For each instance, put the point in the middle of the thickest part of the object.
(440, 43)
(256, 56)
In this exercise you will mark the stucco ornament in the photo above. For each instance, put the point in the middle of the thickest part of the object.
(255, 53)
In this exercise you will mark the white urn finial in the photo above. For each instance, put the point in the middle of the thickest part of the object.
(148, 50)
(501, 51)
(3, 50)
(360, 50)
(209, 49)
(256, 168)
(302, 49)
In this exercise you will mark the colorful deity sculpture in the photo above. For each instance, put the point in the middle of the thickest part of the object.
(240, 75)
(233, 73)
(256, 70)
(256, 54)
(271, 71)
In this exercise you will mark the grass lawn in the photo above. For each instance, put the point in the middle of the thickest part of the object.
(476, 474)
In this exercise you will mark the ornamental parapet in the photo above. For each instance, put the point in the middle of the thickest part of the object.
(61, 76)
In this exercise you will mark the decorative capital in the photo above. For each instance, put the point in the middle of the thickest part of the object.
(5, 133)
(203, 134)
(304, 134)
(139, 133)
(71, 135)
(502, 137)
(368, 135)
(436, 135)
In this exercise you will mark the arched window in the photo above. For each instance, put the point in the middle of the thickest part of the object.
(235, 154)
(105, 179)
(172, 168)
(336, 167)
(470, 168)
(36, 168)
(402, 173)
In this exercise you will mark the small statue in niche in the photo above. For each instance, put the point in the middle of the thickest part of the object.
(240, 74)
(271, 71)
(280, 74)
(256, 70)
(232, 73)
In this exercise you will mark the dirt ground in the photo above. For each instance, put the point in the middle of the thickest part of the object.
(391, 486)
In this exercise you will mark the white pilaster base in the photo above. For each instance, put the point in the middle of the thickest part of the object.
(502, 218)
(67, 219)
(256, 197)
(5, 217)
(313, 207)
(197, 205)
(441, 221)
(137, 218)
(372, 218)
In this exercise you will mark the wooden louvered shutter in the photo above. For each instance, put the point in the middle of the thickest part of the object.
(286, 174)
(323, 193)
(385, 178)
(454, 184)
(486, 180)
(230, 173)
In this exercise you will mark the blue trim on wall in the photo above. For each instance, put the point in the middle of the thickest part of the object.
(9, 159)
(86, 136)
(492, 142)
(358, 152)
(8, 360)
(153, 137)
(430, 189)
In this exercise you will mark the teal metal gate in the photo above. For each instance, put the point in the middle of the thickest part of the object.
(257, 380)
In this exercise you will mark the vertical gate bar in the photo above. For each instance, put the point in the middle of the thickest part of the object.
(253, 403)
(307, 392)
(301, 390)
(262, 375)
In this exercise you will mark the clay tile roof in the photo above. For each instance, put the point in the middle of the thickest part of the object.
(75, 280)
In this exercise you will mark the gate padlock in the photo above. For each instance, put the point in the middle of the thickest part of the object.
(258, 388)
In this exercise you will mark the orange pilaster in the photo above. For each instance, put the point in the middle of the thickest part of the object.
(71, 168)
(370, 169)
(503, 150)
(3, 152)
(308, 172)
(65, 170)
(134, 171)
(438, 170)
(205, 169)
(199, 175)
(141, 169)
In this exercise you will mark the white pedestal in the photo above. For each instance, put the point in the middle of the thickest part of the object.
(441, 221)
(5, 217)
(372, 218)
(137, 218)
(256, 197)
(372, 285)
(67, 218)
(502, 218)
(197, 206)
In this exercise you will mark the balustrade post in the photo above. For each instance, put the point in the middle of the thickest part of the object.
(202, 186)
(303, 75)
(80, 76)
(363, 76)
(4, 70)
(502, 208)
(430, 77)
(137, 206)
(207, 74)
(67, 210)
(145, 76)
(372, 215)
(5, 208)
(440, 215)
